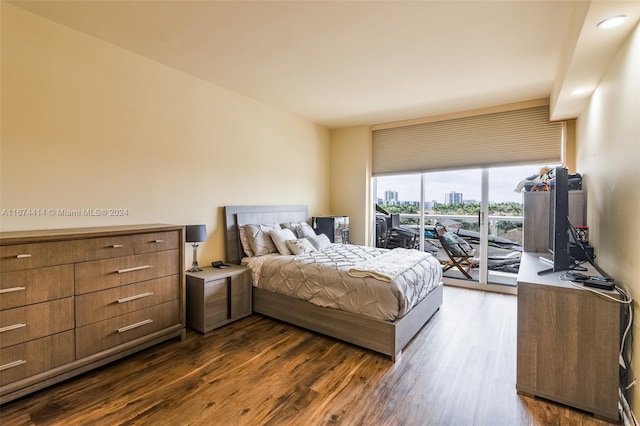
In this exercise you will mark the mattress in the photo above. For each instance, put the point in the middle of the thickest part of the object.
(323, 278)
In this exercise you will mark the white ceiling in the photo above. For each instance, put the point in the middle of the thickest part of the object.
(345, 63)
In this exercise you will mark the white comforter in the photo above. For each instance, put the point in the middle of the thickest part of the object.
(379, 289)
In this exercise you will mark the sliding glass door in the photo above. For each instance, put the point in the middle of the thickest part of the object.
(452, 204)
(418, 203)
(504, 223)
(481, 208)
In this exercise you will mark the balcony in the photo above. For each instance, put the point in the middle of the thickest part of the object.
(504, 243)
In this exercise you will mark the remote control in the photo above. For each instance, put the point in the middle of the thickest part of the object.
(601, 284)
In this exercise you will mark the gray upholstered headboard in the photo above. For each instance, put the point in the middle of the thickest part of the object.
(234, 216)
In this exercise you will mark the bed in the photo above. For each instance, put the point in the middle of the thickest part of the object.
(387, 337)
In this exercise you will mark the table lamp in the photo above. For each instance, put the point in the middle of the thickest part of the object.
(196, 234)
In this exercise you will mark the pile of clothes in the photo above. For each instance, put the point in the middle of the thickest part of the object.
(544, 181)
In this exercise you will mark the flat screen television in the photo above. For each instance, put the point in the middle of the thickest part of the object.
(559, 222)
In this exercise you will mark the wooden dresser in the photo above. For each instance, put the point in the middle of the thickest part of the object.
(75, 299)
(568, 341)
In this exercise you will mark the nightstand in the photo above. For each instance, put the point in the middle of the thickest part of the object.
(216, 297)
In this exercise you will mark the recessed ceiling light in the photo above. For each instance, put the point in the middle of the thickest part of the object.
(614, 21)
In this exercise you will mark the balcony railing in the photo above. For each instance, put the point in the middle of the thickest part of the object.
(504, 247)
(448, 219)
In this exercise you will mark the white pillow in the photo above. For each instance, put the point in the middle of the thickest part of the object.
(260, 240)
(320, 241)
(300, 246)
(280, 237)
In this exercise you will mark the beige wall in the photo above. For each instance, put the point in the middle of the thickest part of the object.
(351, 180)
(86, 124)
(569, 148)
(608, 156)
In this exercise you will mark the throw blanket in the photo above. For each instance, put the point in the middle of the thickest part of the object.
(389, 265)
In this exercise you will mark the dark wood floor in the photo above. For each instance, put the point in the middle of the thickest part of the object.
(459, 370)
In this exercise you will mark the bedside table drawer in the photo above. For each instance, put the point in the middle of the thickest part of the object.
(215, 291)
(215, 302)
(216, 297)
(241, 295)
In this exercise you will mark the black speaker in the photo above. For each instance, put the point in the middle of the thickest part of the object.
(581, 254)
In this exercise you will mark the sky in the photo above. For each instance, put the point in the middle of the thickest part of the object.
(502, 182)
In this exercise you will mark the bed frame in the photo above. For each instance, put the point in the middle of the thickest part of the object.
(385, 337)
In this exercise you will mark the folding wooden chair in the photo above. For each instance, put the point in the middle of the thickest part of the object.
(459, 251)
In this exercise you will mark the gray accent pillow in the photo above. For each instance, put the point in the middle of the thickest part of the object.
(260, 240)
(244, 241)
(320, 242)
(306, 230)
(301, 229)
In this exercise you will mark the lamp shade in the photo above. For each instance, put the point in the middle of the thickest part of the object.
(196, 233)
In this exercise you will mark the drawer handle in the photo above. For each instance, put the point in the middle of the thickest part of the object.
(159, 241)
(136, 268)
(12, 327)
(23, 256)
(12, 364)
(117, 246)
(12, 289)
(136, 325)
(137, 296)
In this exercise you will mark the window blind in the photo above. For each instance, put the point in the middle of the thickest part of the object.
(500, 138)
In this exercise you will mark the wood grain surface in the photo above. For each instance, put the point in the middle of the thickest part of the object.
(459, 370)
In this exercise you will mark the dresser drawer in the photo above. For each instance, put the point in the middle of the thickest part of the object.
(103, 248)
(98, 306)
(106, 334)
(19, 288)
(27, 256)
(35, 356)
(157, 241)
(34, 321)
(109, 273)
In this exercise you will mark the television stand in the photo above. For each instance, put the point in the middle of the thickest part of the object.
(573, 267)
(545, 260)
(567, 341)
